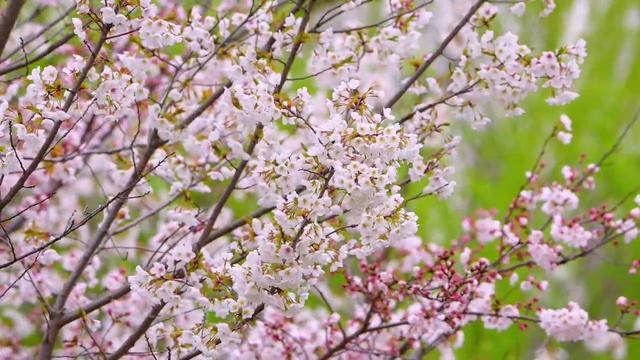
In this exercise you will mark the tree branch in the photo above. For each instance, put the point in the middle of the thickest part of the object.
(7, 20)
(407, 84)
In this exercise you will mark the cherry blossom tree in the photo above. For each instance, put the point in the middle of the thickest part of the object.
(232, 179)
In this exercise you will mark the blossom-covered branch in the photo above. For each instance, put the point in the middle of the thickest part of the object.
(184, 181)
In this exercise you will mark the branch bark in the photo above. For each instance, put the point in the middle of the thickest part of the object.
(8, 19)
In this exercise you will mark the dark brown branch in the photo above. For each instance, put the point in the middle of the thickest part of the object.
(51, 48)
(41, 32)
(438, 102)
(381, 22)
(434, 56)
(141, 329)
(345, 341)
(7, 20)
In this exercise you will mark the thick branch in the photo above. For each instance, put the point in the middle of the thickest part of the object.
(133, 338)
(8, 19)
